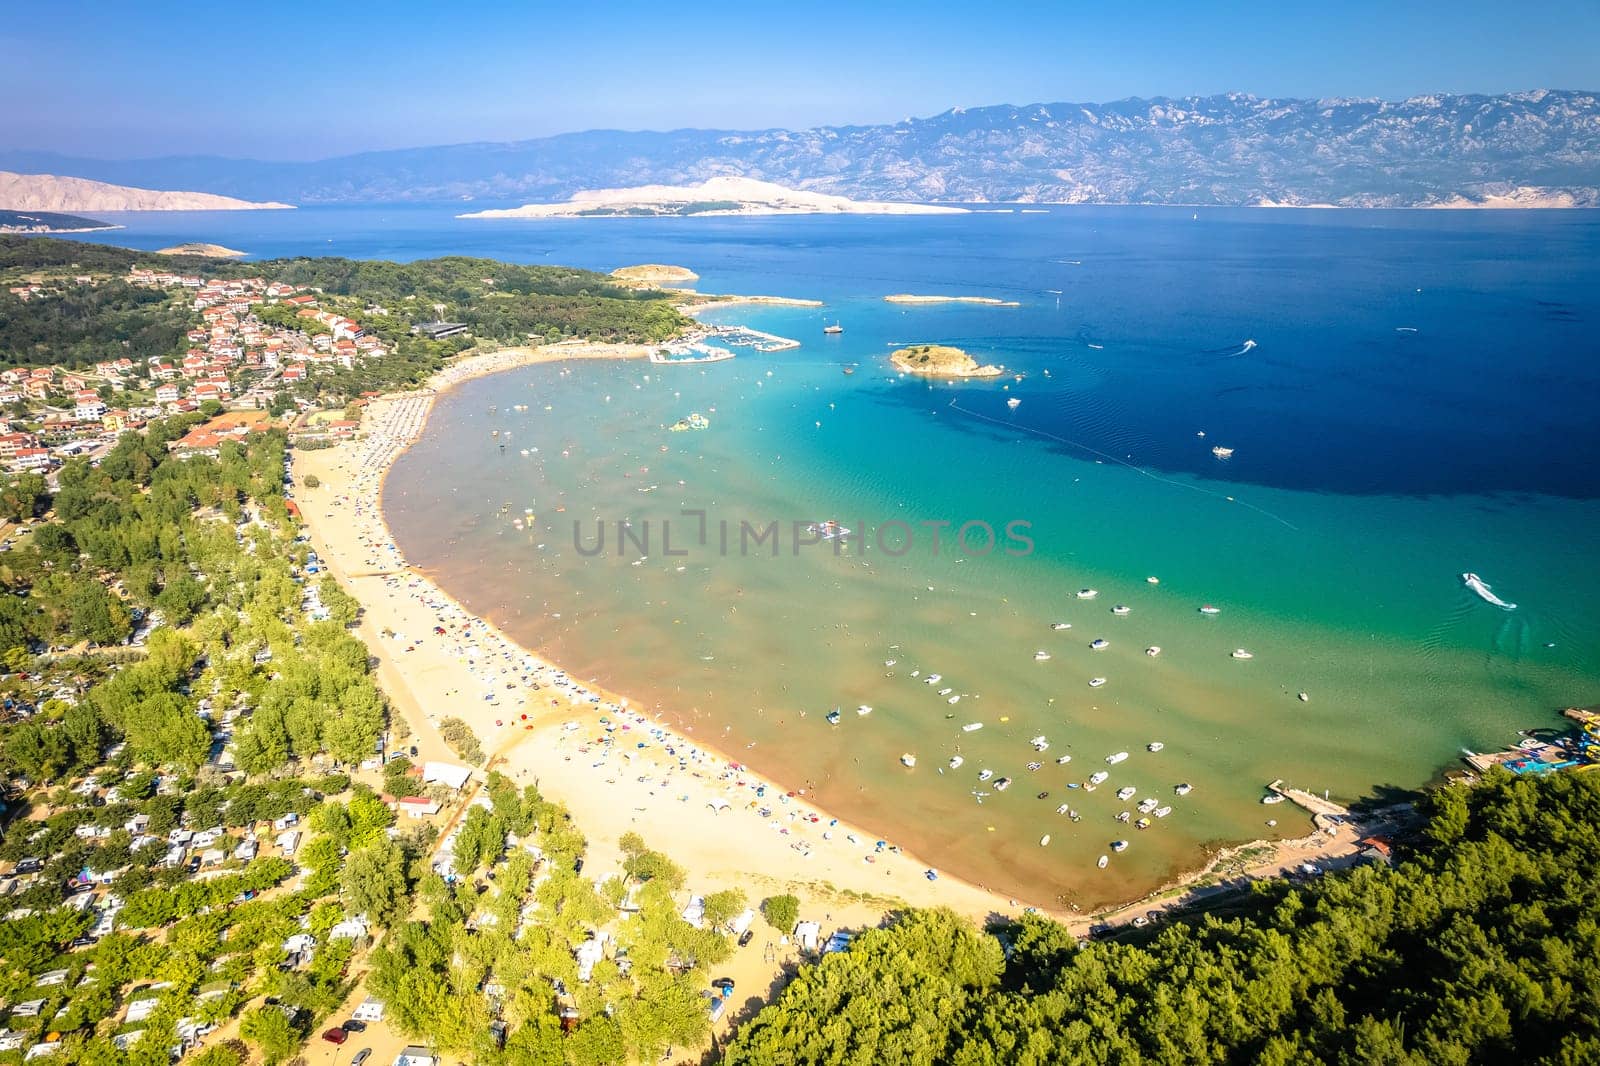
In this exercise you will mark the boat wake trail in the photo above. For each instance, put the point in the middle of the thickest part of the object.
(955, 405)
(1249, 344)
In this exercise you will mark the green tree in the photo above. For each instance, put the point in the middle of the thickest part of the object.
(781, 912)
(374, 883)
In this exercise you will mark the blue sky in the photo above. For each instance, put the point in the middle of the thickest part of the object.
(299, 80)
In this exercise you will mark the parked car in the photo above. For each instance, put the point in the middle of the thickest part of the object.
(336, 1036)
(354, 1026)
(361, 1056)
(746, 936)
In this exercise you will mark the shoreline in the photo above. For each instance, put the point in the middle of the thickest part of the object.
(719, 808)
(707, 789)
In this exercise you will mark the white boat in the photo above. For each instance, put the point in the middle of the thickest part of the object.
(1039, 742)
(908, 760)
(1484, 590)
(1305, 697)
(1041, 656)
(1098, 776)
(1013, 403)
(933, 679)
(1184, 789)
(1153, 580)
(1060, 625)
(1122, 608)
(1148, 804)
(954, 699)
(1062, 760)
(1269, 800)
(1119, 845)
(1117, 757)
(1123, 816)
(864, 710)
(833, 716)
(1044, 841)
(1103, 861)
(956, 761)
(1099, 644)
(1126, 793)
(1088, 594)
(1001, 784)
(1096, 682)
(972, 727)
(1240, 653)
(984, 775)
(890, 662)
(946, 691)
(1162, 812)
(1153, 650)
(1063, 809)
(1208, 609)
(1221, 453)
(1154, 745)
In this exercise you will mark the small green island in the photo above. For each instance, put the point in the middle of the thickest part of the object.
(941, 361)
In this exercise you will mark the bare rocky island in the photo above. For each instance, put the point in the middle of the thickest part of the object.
(912, 298)
(715, 196)
(941, 361)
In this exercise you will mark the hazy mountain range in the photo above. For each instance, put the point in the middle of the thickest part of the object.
(1541, 148)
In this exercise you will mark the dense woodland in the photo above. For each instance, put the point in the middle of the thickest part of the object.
(1481, 945)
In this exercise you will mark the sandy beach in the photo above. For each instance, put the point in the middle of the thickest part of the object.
(615, 768)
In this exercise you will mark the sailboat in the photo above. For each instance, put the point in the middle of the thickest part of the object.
(835, 328)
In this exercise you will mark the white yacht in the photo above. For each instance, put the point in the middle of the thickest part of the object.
(1126, 793)
(1088, 594)
(1041, 656)
(908, 760)
(1099, 644)
(1154, 745)
(1098, 776)
(1153, 650)
(1240, 653)
(1096, 682)
(1121, 608)
(1117, 757)
(956, 761)
(1060, 625)
(972, 727)
(1184, 789)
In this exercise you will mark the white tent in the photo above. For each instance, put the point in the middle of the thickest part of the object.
(445, 773)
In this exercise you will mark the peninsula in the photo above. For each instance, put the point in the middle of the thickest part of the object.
(45, 222)
(909, 298)
(941, 361)
(715, 196)
(47, 192)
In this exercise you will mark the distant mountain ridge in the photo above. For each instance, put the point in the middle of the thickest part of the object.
(1537, 148)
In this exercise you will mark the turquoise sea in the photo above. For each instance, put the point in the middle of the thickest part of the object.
(1418, 401)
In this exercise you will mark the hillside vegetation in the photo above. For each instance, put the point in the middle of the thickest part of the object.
(1482, 945)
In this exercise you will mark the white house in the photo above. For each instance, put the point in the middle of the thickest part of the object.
(415, 1056)
(445, 773)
